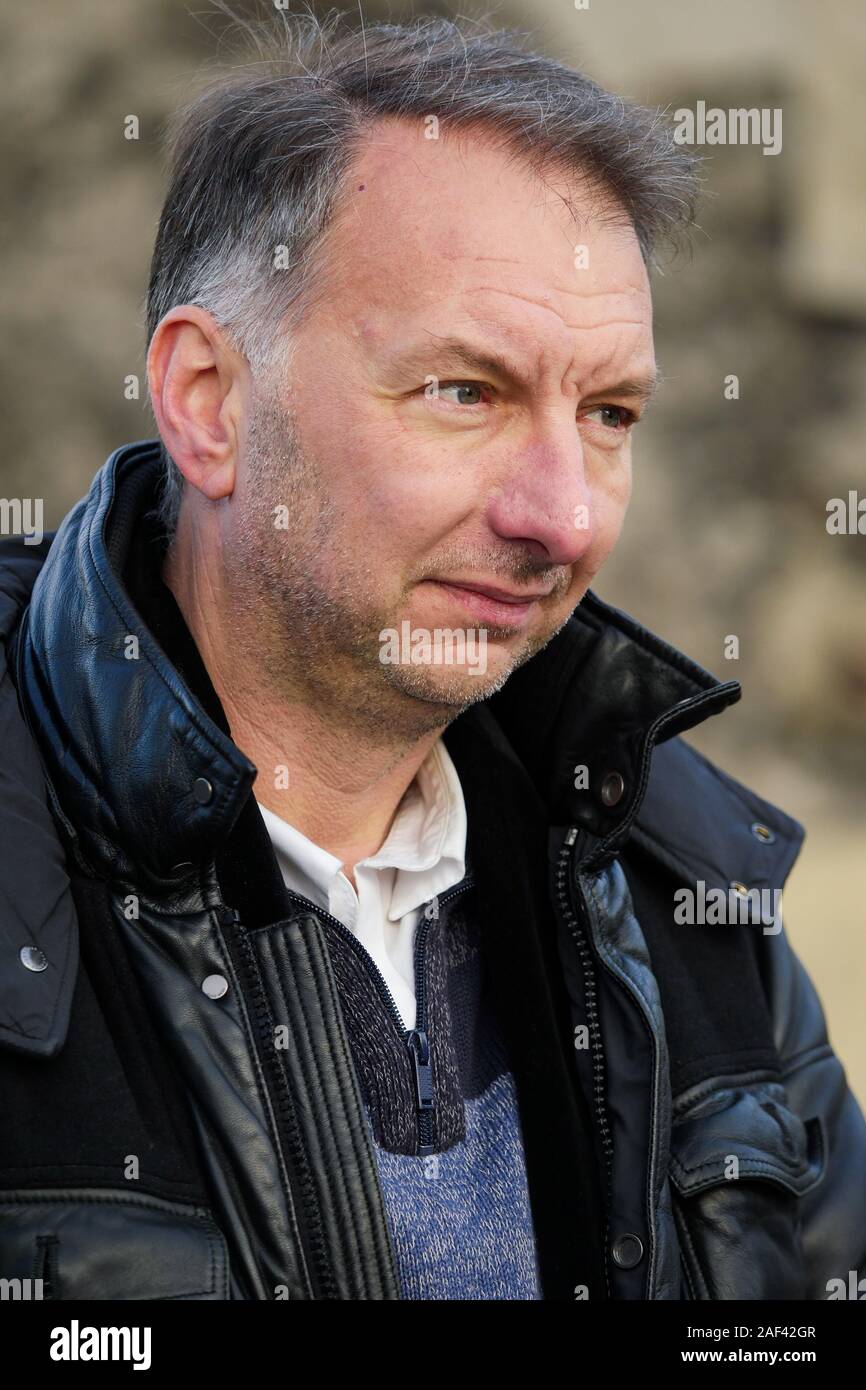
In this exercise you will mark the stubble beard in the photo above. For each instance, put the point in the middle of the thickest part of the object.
(305, 610)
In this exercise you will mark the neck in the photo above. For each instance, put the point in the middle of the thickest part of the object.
(320, 768)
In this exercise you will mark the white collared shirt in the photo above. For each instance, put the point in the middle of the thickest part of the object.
(423, 853)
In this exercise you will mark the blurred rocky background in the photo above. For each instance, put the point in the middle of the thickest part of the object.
(727, 531)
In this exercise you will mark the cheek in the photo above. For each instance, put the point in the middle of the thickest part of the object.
(620, 494)
(410, 485)
(612, 494)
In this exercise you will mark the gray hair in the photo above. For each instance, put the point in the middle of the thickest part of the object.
(258, 159)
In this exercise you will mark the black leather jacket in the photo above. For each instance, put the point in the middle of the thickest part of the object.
(154, 1146)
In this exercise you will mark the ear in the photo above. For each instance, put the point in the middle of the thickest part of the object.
(199, 387)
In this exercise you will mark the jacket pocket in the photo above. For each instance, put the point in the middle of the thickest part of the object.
(100, 1243)
(740, 1161)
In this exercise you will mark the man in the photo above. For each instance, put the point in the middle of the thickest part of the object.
(369, 819)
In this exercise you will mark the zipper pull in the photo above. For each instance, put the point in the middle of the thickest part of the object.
(419, 1049)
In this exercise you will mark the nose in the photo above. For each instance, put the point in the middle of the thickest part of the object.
(546, 497)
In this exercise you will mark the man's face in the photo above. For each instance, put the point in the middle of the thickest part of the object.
(406, 467)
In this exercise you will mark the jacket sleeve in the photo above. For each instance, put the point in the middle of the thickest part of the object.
(833, 1211)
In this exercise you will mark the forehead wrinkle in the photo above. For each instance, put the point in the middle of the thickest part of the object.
(509, 331)
(508, 341)
(579, 294)
(477, 357)
(518, 337)
(493, 260)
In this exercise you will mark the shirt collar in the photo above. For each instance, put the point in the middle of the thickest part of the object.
(426, 843)
(427, 840)
(311, 868)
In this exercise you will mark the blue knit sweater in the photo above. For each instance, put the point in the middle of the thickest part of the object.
(452, 1172)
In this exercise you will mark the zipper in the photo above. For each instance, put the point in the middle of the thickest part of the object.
(575, 919)
(417, 1039)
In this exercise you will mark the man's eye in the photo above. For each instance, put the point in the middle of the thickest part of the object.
(464, 390)
(614, 417)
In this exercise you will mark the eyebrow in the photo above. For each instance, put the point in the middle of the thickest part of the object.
(643, 388)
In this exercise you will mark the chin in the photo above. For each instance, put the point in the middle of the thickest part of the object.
(454, 685)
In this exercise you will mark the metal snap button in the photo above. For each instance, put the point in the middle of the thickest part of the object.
(739, 888)
(202, 790)
(762, 832)
(215, 986)
(612, 788)
(627, 1251)
(32, 958)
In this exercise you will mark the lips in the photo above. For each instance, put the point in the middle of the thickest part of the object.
(488, 605)
(500, 595)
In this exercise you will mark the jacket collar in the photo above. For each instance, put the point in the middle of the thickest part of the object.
(600, 695)
(99, 716)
